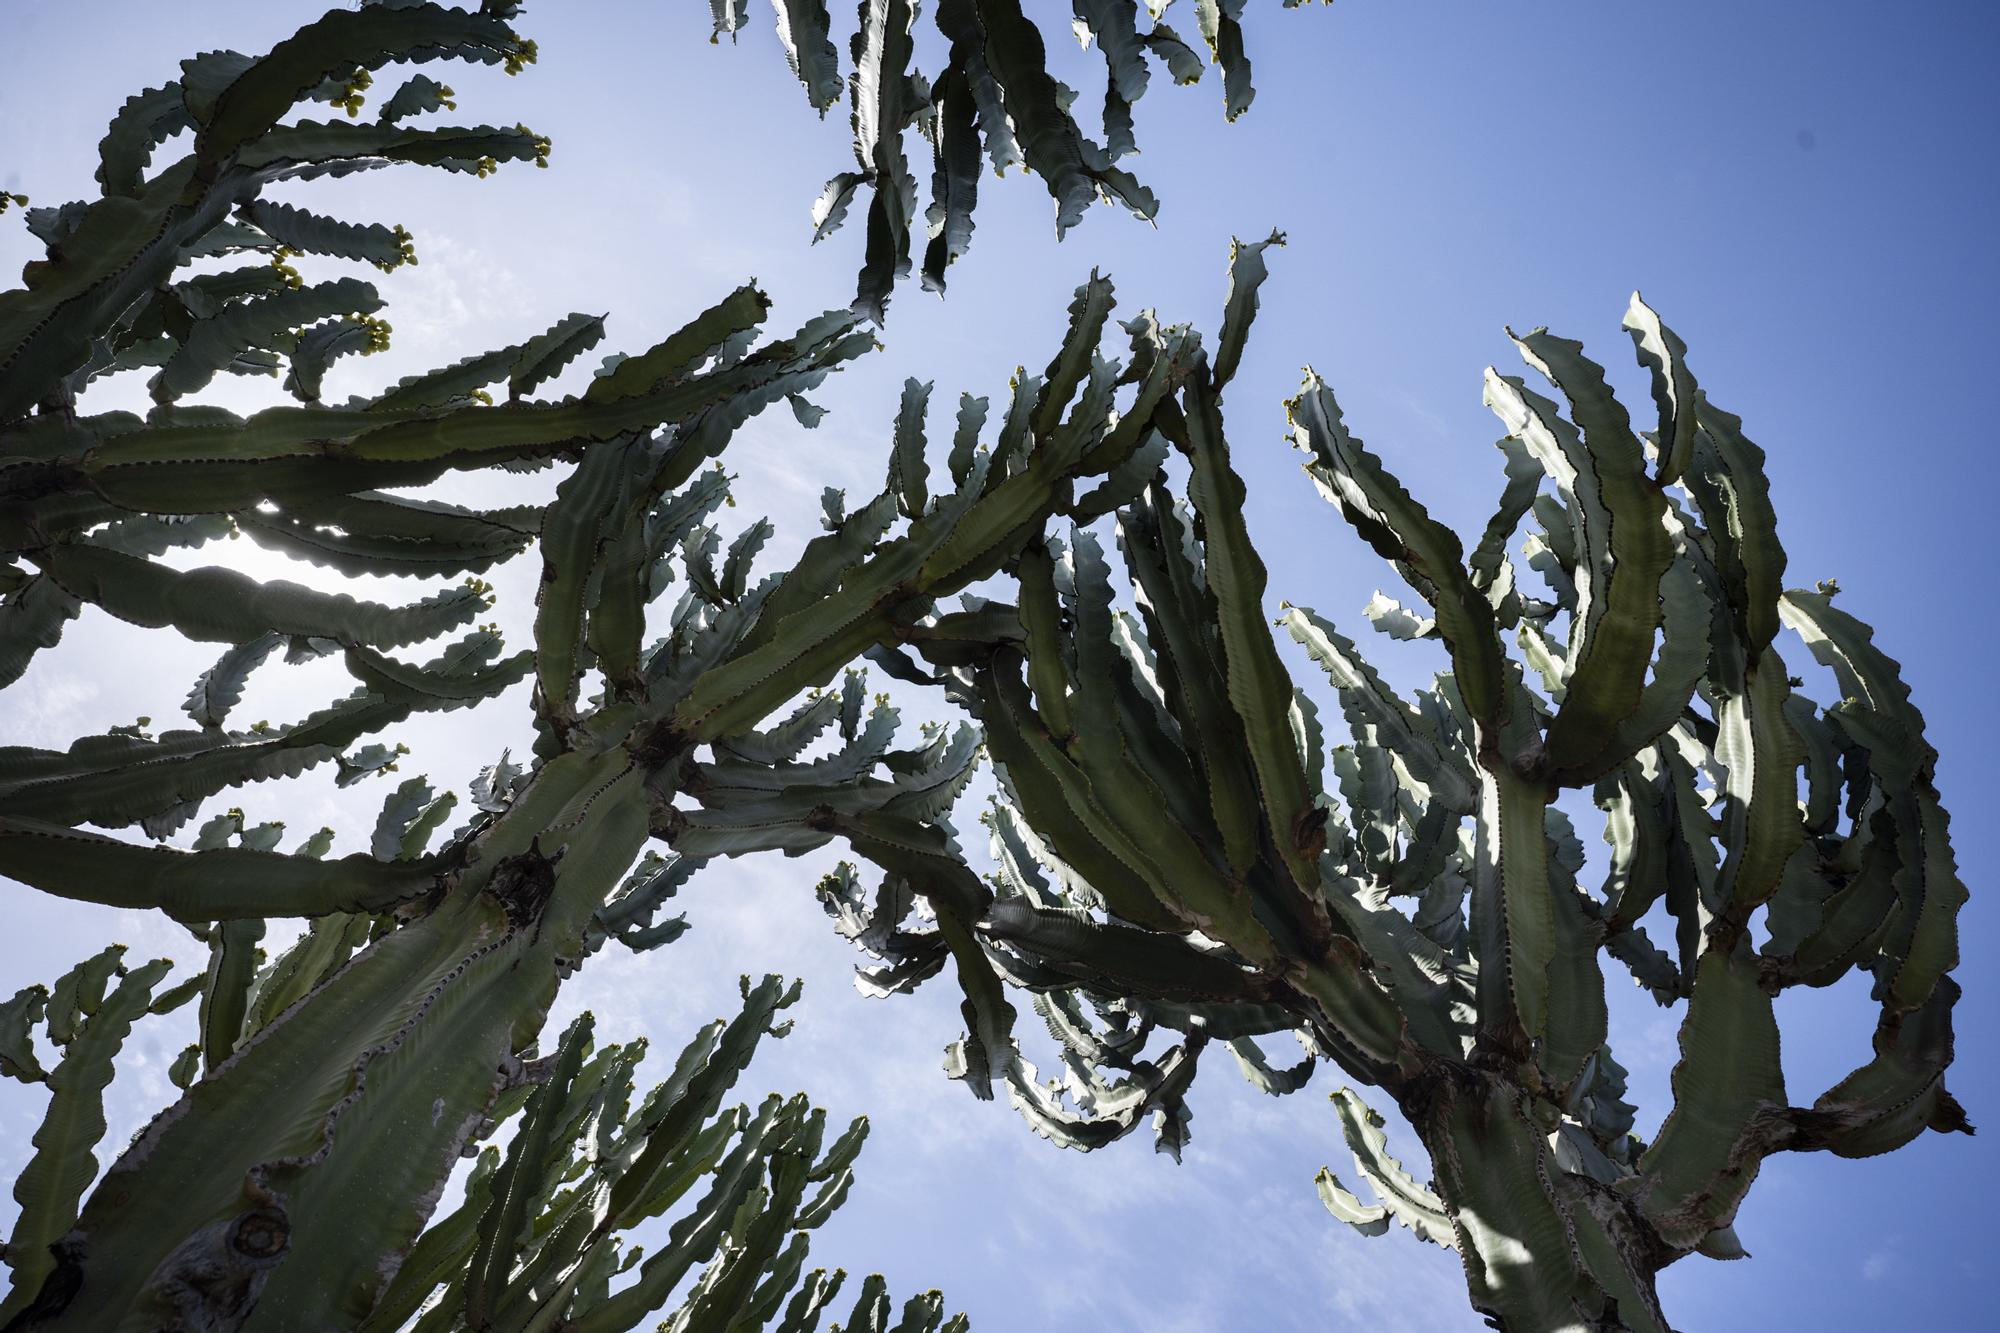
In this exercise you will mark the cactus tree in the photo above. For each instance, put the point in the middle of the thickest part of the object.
(1181, 850)
(335, 1086)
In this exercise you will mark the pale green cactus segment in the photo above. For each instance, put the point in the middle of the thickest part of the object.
(217, 605)
(1623, 548)
(1402, 530)
(1706, 1157)
(1403, 1198)
(220, 884)
(1674, 391)
(1259, 689)
(1247, 272)
(90, 1028)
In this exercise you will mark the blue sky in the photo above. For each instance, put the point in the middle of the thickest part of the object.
(1806, 193)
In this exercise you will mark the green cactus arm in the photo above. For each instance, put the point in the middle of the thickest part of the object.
(1923, 944)
(1261, 1075)
(519, 1178)
(1846, 646)
(871, 1307)
(242, 327)
(1062, 810)
(909, 472)
(1727, 1082)
(116, 780)
(822, 565)
(1114, 1109)
(1120, 959)
(1259, 689)
(1051, 144)
(1578, 1020)
(707, 1069)
(1371, 703)
(464, 378)
(632, 566)
(1686, 624)
(1674, 391)
(677, 356)
(315, 233)
(219, 605)
(146, 120)
(883, 106)
(448, 687)
(543, 356)
(1113, 826)
(1124, 730)
(1488, 563)
(439, 1254)
(956, 164)
(334, 47)
(1247, 272)
(1733, 495)
(958, 541)
(1126, 481)
(1506, 1224)
(803, 27)
(733, 1288)
(692, 1239)
(468, 547)
(734, 580)
(1221, 27)
(1402, 530)
(1513, 908)
(1370, 1219)
(1818, 931)
(419, 93)
(1404, 1199)
(79, 992)
(573, 533)
(315, 349)
(928, 858)
(826, 1200)
(1822, 764)
(233, 959)
(53, 1182)
(349, 1269)
(615, 623)
(1070, 367)
(922, 1313)
(18, 1018)
(813, 1296)
(217, 462)
(224, 884)
(1625, 547)
(32, 616)
(1421, 977)
(1179, 613)
(1897, 1095)
(409, 816)
(1041, 621)
(328, 942)
(323, 146)
(1761, 754)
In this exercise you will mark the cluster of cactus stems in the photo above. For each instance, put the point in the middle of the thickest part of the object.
(993, 102)
(1178, 852)
(1411, 905)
